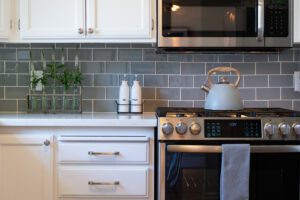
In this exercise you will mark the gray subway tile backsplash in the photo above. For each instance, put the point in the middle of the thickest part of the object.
(167, 79)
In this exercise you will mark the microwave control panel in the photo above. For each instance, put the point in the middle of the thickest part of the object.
(277, 18)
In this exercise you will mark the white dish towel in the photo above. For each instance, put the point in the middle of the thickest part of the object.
(234, 182)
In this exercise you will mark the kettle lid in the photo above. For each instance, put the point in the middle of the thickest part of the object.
(223, 80)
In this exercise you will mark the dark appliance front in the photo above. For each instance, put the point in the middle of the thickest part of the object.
(224, 24)
(190, 157)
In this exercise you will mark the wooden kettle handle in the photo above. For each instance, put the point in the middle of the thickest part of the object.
(223, 69)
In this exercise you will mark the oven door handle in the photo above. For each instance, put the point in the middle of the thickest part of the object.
(218, 149)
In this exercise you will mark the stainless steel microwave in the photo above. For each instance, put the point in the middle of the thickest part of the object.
(207, 24)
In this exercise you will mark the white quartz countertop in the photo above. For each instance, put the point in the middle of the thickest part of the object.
(71, 120)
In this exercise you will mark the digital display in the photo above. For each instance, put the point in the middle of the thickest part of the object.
(232, 128)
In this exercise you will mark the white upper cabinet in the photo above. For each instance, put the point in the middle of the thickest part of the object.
(296, 21)
(118, 19)
(4, 19)
(42, 19)
(89, 20)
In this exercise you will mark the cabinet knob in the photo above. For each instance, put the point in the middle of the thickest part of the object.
(90, 31)
(80, 31)
(47, 142)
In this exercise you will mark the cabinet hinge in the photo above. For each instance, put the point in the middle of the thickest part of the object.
(19, 24)
(11, 24)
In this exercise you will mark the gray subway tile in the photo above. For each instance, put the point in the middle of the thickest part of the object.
(206, 58)
(93, 45)
(167, 68)
(2, 67)
(143, 68)
(17, 45)
(1, 45)
(256, 81)
(67, 45)
(87, 105)
(87, 80)
(148, 93)
(130, 78)
(180, 57)
(268, 68)
(181, 104)
(16, 92)
(112, 92)
(16, 67)
(106, 80)
(192, 94)
(22, 106)
(267, 93)
(193, 68)
(7, 54)
(181, 81)
(118, 45)
(104, 54)
(151, 105)
(92, 67)
(233, 79)
(289, 93)
(23, 79)
(231, 58)
(199, 104)
(255, 104)
(200, 80)
(281, 81)
(290, 67)
(281, 104)
(142, 45)
(210, 66)
(151, 55)
(8, 80)
(130, 54)
(1, 92)
(297, 54)
(156, 81)
(244, 68)
(118, 67)
(8, 105)
(42, 45)
(105, 106)
(256, 58)
(83, 54)
(247, 93)
(273, 57)
(93, 93)
(168, 93)
(296, 105)
(286, 55)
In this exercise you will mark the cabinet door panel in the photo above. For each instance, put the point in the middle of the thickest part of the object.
(119, 18)
(4, 19)
(42, 19)
(25, 168)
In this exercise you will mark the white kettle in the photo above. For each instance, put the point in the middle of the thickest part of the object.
(223, 95)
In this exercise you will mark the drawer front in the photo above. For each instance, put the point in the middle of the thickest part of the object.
(103, 152)
(103, 182)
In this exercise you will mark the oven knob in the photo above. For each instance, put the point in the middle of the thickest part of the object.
(181, 128)
(167, 128)
(270, 129)
(284, 129)
(195, 128)
(296, 128)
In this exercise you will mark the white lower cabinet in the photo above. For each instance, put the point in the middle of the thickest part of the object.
(26, 167)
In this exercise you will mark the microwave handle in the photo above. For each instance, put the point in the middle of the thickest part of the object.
(218, 149)
(261, 20)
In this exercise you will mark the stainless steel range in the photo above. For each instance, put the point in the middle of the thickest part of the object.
(189, 151)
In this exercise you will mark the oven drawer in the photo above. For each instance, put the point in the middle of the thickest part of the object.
(104, 152)
(103, 182)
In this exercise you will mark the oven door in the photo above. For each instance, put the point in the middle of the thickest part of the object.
(210, 23)
(192, 172)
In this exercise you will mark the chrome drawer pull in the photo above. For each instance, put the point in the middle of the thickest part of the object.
(104, 183)
(91, 153)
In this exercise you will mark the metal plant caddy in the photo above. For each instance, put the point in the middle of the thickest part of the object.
(54, 103)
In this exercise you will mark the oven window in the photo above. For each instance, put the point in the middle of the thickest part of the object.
(191, 176)
(209, 18)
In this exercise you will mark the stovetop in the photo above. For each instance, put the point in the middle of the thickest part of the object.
(247, 112)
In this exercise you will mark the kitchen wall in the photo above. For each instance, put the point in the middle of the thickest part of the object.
(167, 79)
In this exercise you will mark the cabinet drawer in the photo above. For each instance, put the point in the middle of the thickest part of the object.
(103, 152)
(103, 181)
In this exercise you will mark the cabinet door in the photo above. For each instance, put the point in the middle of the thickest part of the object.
(26, 170)
(119, 18)
(296, 22)
(4, 19)
(61, 19)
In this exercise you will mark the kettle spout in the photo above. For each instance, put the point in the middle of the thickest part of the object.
(205, 88)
